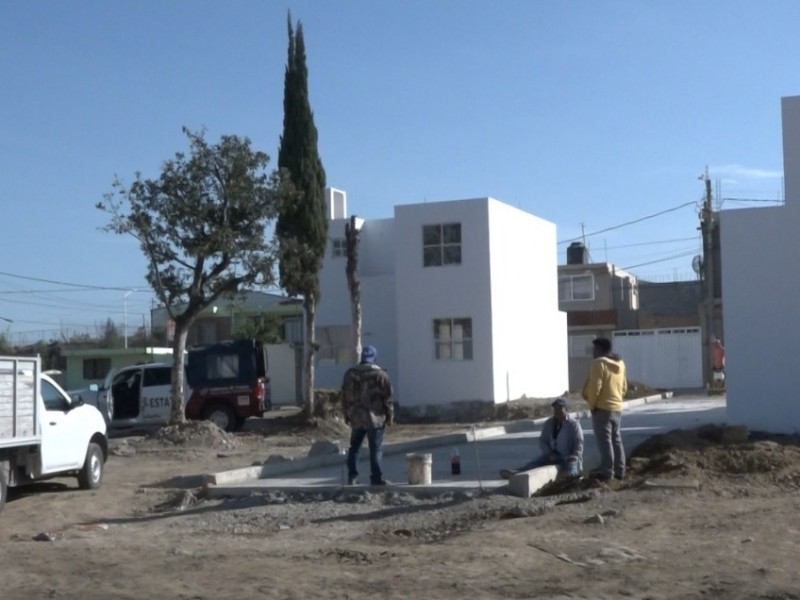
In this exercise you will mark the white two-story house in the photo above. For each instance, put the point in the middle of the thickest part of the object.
(460, 298)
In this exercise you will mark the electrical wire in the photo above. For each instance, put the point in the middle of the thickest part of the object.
(77, 285)
(627, 223)
(654, 243)
(652, 262)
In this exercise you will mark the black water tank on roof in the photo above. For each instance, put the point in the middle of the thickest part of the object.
(576, 254)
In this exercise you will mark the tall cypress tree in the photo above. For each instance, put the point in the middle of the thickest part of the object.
(302, 227)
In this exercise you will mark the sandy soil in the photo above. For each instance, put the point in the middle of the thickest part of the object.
(731, 532)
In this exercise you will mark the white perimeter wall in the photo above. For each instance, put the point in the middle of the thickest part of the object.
(529, 334)
(760, 288)
(451, 291)
(282, 374)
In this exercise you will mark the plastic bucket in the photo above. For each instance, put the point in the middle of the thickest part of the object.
(419, 469)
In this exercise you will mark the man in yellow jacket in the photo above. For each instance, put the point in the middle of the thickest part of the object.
(604, 391)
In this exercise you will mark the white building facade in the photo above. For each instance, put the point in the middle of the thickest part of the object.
(760, 289)
(460, 298)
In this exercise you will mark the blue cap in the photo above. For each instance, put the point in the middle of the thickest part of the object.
(562, 402)
(368, 354)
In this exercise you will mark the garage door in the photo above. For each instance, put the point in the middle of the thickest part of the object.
(662, 358)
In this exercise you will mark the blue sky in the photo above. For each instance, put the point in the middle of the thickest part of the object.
(589, 114)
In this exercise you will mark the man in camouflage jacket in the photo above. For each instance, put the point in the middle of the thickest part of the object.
(368, 408)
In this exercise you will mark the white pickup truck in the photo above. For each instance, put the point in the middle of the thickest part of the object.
(43, 432)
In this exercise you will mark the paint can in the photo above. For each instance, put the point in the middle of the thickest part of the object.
(419, 469)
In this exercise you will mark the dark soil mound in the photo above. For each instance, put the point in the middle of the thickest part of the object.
(705, 454)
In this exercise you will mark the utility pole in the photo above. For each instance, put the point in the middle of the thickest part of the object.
(707, 225)
(125, 315)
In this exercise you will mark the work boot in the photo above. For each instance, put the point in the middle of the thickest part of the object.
(508, 473)
(380, 481)
(352, 481)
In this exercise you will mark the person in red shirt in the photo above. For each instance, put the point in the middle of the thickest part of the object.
(718, 356)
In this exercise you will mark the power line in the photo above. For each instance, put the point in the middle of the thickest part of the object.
(652, 262)
(58, 291)
(654, 243)
(627, 223)
(76, 285)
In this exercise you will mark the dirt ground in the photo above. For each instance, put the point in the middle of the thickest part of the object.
(698, 517)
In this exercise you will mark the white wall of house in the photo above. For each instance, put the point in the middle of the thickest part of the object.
(506, 284)
(760, 290)
(443, 292)
(529, 334)
(282, 367)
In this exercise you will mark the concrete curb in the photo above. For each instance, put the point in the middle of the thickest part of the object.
(270, 470)
(243, 490)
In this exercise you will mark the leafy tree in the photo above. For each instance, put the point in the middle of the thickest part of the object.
(266, 328)
(301, 228)
(141, 339)
(201, 226)
(77, 340)
(109, 335)
(6, 347)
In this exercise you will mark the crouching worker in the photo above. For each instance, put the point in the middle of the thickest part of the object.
(561, 444)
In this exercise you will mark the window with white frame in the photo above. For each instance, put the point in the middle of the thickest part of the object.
(452, 339)
(338, 248)
(576, 287)
(335, 345)
(441, 244)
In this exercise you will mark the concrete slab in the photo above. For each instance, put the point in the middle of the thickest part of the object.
(483, 452)
(526, 483)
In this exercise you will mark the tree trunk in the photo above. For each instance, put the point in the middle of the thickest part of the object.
(353, 283)
(310, 307)
(178, 414)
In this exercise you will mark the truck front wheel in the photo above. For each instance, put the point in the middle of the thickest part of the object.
(91, 474)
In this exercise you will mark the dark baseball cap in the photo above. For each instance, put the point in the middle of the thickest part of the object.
(562, 402)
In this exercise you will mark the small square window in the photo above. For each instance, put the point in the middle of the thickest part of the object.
(441, 244)
(338, 248)
(336, 345)
(452, 339)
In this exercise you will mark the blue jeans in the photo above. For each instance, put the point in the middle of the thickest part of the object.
(374, 436)
(606, 425)
(566, 466)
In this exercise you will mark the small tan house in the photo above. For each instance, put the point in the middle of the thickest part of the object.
(86, 366)
(599, 298)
